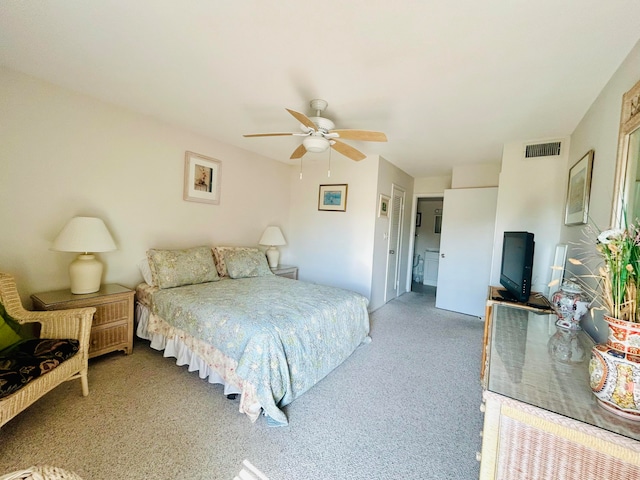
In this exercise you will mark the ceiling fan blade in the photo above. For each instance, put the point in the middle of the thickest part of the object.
(365, 135)
(303, 119)
(299, 152)
(347, 150)
(267, 134)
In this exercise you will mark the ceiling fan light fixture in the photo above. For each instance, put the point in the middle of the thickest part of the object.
(315, 144)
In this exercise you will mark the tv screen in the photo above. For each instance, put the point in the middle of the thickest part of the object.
(517, 264)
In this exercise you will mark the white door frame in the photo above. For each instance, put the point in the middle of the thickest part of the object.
(412, 232)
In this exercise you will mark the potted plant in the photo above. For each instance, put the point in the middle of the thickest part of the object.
(614, 368)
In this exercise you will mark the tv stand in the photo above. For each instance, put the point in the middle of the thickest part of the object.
(507, 296)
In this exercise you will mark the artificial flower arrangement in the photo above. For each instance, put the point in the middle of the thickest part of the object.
(617, 279)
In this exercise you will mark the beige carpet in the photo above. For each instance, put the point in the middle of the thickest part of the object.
(404, 406)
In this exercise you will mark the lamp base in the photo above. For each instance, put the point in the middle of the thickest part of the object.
(273, 256)
(85, 273)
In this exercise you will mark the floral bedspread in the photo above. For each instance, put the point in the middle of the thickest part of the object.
(285, 335)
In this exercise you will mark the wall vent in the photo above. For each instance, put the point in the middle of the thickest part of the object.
(549, 149)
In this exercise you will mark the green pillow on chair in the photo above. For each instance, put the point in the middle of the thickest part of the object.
(8, 334)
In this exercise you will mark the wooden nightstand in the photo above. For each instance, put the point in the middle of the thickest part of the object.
(112, 327)
(288, 271)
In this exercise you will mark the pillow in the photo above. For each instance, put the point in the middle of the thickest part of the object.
(247, 263)
(8, 330)
(219, 254)
(145, 270)
(174, 268)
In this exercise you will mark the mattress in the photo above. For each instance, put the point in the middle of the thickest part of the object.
(268, 338)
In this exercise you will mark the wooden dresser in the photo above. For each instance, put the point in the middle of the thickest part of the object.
(112, 327)
(541, 418)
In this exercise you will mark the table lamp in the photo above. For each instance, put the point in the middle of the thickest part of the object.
(272, 237)
(84, 235)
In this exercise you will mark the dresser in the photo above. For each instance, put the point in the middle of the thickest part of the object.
(540, 418)
(112, 327)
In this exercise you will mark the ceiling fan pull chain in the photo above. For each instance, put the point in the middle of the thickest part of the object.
(301, 168)
(329, 171)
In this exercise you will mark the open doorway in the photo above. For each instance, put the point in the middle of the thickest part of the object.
(426, 245)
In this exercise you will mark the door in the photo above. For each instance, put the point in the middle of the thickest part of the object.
(466, 248)
(395, 243)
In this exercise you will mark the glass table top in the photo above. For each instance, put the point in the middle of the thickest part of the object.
(535, 362)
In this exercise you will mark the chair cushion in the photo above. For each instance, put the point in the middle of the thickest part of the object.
(29, 359)
(8, 330)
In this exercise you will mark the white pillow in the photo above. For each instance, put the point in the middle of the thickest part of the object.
(145, 270)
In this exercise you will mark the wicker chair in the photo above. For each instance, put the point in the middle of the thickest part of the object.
(58, 324)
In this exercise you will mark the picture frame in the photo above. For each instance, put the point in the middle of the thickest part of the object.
(419, 219)
(383, 206)
(202, 178)
(437, 223)
(333, 198)
(578, 190)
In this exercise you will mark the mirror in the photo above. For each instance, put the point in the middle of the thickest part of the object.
(627, 184)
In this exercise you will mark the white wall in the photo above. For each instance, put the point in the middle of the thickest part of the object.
(334, 248)
(64, 154)
(476, 175)
(430, 185)
(531, 198)
(389, 174)
(598, 130)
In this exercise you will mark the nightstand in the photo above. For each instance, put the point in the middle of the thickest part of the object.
(288, 271)
(112, 327)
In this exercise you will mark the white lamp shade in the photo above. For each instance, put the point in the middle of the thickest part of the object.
(84, 234)
(272, 236)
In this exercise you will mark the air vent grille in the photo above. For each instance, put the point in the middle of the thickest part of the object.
(550, 149)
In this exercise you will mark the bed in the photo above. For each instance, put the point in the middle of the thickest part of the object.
(223, 313)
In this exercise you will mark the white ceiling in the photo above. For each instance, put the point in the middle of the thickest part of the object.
(448, 82)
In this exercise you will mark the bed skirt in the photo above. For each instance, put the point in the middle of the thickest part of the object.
(215, 368)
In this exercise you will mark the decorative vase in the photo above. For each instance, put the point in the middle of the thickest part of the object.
(623, 335)
(614, 369)
(570, 305)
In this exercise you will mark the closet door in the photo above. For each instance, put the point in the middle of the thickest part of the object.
(466, 249)
(395, 242)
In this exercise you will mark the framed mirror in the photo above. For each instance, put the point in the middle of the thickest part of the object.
(626, 199)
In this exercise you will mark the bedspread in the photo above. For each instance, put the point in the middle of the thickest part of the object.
(285, 335)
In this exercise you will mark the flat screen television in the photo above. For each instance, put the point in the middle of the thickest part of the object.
(516, 266)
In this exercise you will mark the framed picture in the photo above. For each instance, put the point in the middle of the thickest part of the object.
(201, 178)
(383, 206)
(437, 223)
(579, 185)
(418, 219)
(333, 198)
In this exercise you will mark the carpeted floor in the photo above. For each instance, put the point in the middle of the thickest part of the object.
(404, 406)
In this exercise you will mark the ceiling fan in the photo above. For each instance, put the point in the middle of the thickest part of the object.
(320, 133)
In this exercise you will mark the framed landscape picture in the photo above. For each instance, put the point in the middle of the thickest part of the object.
(579, 185)
(333, 198)
(201, 178)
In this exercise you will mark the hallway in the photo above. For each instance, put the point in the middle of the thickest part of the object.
(420, 288)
